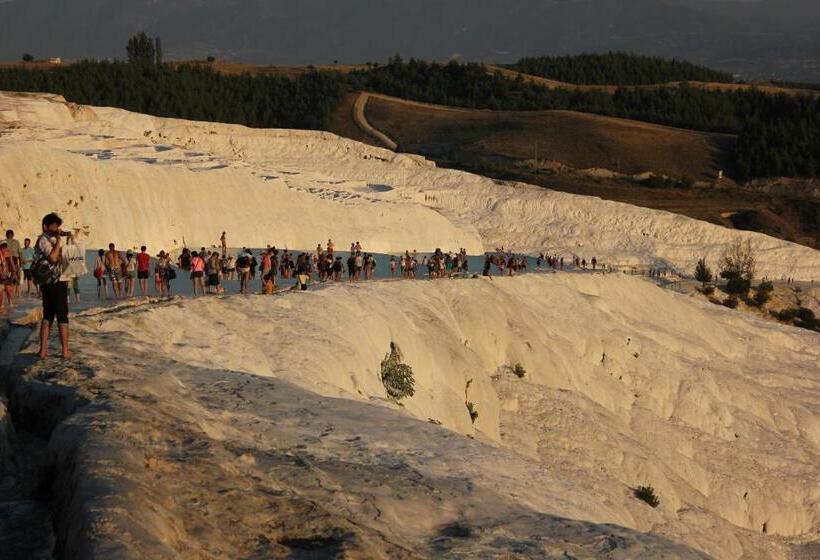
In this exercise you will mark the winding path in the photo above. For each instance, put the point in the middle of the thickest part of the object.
(361, 120)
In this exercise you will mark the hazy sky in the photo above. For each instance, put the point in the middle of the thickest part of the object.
(765, 37)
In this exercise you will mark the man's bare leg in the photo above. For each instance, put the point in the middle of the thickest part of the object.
(45, 328)
(64, 340)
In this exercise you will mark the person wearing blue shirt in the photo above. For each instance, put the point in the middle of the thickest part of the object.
(26, 258)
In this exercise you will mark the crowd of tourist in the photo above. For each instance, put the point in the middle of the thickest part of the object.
(47, 272)
(120, 274)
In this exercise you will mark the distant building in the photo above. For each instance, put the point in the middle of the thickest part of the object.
(55, 60)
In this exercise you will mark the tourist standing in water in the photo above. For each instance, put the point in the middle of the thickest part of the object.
(159, 279)
(143, 269)
(243, 269)
(164, 273)
(267, 264)
(351, 267)
(49, 254)
(99, 274)
(113, 267)
(358, 263)
(224, 244)
(213, 272)
(253, 265)
(197, 273)
(184, 261)
(130, 273)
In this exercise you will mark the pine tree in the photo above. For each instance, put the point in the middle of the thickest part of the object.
(141, 50)
(703, 273)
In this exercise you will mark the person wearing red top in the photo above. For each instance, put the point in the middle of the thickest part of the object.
(143, 270)
(197, 273)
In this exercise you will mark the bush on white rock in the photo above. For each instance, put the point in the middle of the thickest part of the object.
(625, 385)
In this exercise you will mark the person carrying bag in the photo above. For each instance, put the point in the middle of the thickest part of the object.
(47, 269)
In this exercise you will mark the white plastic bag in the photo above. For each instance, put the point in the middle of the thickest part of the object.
(74, 259)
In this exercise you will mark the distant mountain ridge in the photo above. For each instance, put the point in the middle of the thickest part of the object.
(755, 38)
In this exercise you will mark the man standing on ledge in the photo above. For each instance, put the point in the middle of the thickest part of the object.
(54, 290)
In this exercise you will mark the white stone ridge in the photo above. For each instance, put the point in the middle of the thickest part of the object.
(624, 385)
(136, 179)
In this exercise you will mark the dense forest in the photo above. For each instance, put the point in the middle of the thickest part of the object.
(470, 85)
(617, 68)
(189, 92)
(778, 135)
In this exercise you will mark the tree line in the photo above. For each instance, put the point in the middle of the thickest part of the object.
(617, 68)
(777, 135)
(189, 92)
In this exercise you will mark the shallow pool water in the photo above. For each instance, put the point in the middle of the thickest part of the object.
(182, 284)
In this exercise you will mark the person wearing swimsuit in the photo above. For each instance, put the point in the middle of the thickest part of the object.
(113, 267)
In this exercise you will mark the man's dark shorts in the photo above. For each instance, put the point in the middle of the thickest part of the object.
(55, 302)
(142, 274)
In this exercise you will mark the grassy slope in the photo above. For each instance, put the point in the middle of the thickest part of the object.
(578, 140)
(503, 144)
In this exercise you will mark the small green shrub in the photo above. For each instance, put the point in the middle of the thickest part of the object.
(806, 318)
(730, 302)
(738, 286)
(647, 494)
(519, 370)
(737, 267)
(763, 293)
(397, 377)
(806, 314)
(473, 412)
(703, 273)
(800, 316)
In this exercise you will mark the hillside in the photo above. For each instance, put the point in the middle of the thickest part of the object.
(229, 446)
(582, 154)
(259, 426)
(617, 68)
(778, 136)
(761, 86)
(577, 140)
(253, 183)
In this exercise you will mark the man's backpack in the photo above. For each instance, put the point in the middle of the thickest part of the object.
(43, 271)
